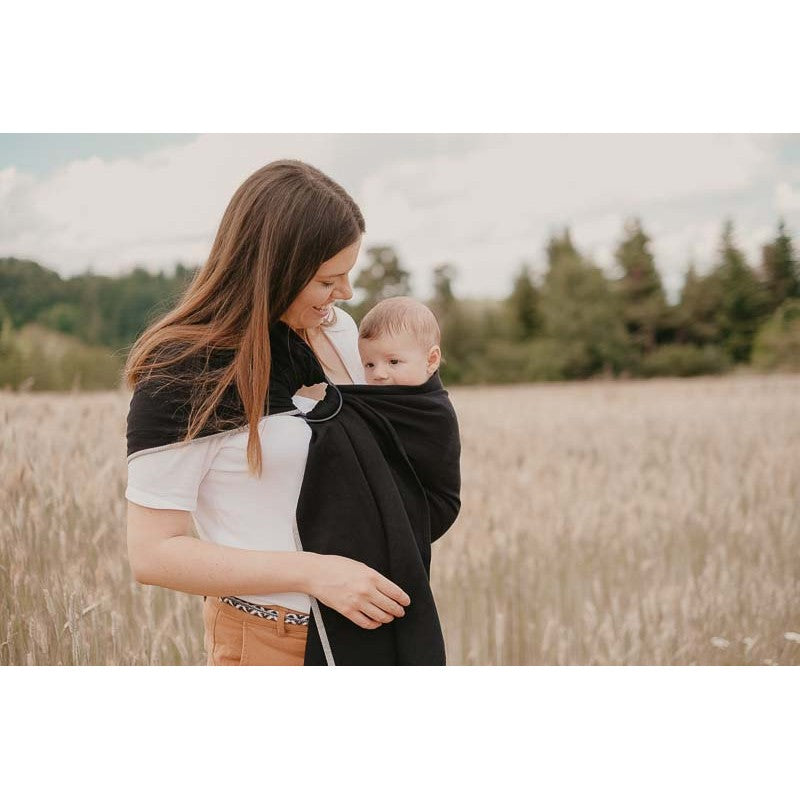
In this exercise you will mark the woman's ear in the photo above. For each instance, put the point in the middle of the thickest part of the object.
(434, 359)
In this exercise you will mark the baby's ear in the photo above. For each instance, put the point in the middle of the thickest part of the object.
(434, 359)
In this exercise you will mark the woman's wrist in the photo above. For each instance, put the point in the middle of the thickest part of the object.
(306, 569)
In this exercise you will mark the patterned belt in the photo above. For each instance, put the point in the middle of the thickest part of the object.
(291, 618)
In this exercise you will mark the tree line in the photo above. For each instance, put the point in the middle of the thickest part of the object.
(574, 322)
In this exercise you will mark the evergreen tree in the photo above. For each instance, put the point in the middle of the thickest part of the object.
(561, 252)
(698, 309)
(779, 269)
(744, 302)
(523, 306)
(452, 324)
(443, 297)
(777, 343)
(463, 328)
(382, 277)
(643, 299)
(582, 313)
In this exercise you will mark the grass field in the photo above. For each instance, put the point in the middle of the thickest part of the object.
(630, 522)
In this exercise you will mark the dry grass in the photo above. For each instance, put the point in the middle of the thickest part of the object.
(603, 523)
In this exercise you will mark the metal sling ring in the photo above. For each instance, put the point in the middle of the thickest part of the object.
(313, 355)
(325, 419)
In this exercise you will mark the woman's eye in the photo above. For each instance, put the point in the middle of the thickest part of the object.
(327, 283)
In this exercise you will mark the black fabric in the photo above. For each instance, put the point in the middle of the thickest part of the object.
(381, 483)
(160, 406)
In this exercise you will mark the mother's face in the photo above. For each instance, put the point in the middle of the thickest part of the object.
(331, 282)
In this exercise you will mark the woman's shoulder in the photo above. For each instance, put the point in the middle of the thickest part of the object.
(344, 333)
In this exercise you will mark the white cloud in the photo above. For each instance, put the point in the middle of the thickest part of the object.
(156, 209)
(483, 202)
(491, 208)
(787, 198)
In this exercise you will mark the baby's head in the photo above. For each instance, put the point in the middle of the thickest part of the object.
(398, 340)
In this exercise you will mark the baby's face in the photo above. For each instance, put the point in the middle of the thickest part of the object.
(394, 359)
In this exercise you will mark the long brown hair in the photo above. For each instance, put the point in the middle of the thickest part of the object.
(281, 224)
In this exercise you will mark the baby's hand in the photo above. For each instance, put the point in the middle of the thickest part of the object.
(315, 392)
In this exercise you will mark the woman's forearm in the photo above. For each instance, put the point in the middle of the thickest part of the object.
(192, 565)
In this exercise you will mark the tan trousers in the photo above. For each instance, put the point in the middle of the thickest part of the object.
(235, 638)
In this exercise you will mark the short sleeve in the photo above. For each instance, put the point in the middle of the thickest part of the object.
(170, 477)
(305, 404)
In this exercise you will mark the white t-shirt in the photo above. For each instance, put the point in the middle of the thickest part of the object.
(209, 476)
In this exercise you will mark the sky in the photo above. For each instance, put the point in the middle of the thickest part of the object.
(485, 203)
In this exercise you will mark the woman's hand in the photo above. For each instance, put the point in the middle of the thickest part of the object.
(355, 590)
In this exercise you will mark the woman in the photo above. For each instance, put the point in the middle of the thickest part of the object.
(284, 249)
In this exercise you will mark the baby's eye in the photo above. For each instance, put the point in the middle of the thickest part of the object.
(369, 365)
(394, 360)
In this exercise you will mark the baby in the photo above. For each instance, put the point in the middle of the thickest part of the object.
(399, 343)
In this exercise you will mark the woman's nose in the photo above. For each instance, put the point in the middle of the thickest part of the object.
(344, 292)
